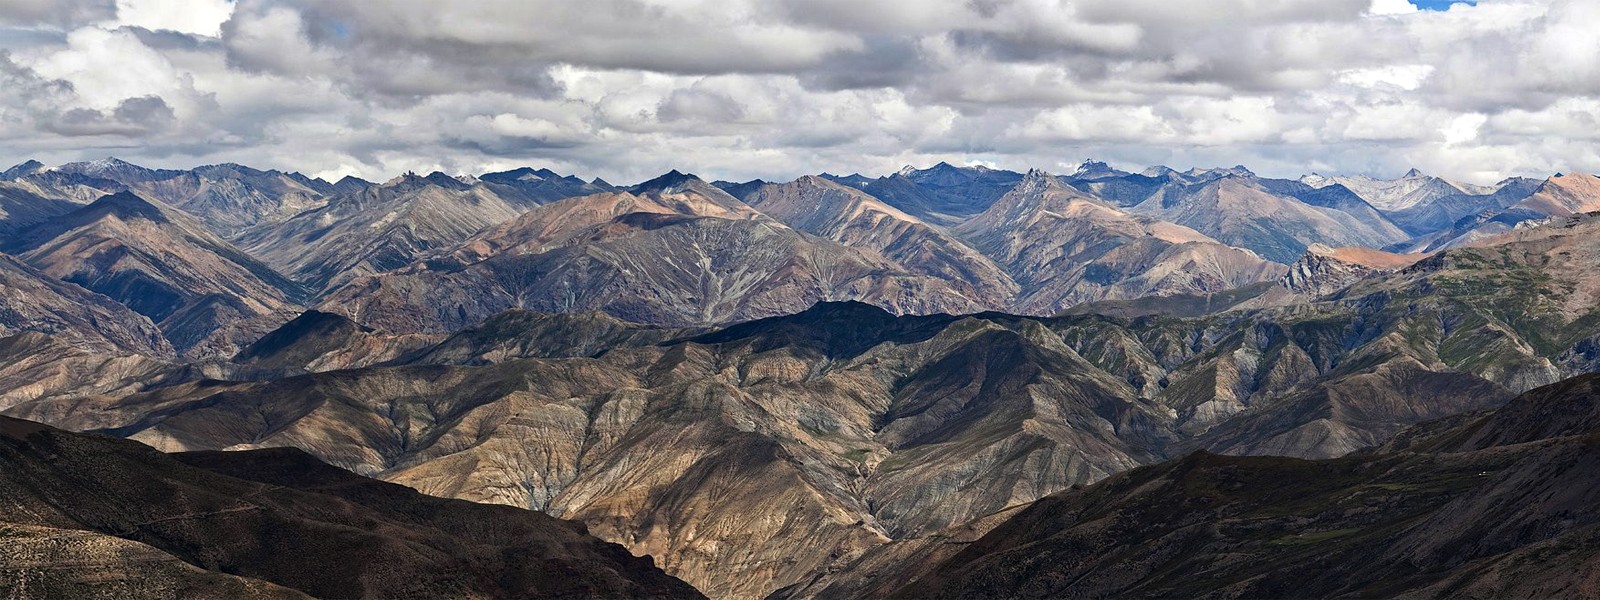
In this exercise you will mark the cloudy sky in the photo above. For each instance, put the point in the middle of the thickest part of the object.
(625, 89)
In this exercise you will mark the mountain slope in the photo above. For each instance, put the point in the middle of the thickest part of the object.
(162, 264)
(1063, 248)
(1239, 211)
(1484, 518)
(676, 251)
(527, 187)
(275, 521)
(941, 195)
(376, 229)
(21, 207)
(859, 427)
(1558, 196)
(231, 198)
(33, 301)
(853, 218)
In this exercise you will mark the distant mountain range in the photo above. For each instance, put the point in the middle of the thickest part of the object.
(789, 387)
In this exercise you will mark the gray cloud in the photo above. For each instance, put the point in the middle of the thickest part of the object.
(625, 89)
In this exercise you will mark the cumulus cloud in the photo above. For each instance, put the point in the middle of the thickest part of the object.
(625, 89)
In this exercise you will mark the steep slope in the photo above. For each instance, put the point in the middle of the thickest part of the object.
(1340, 198)
(676, 251)
(376, 229)
(1238, 210)
(318, 341)
(849, 423)
(853, 218)
(33, 301)
(204, 294)
(274, 523)
(21, 206)
(1482, 519)
(230, 198)
(1443, 213)
(1063, 248)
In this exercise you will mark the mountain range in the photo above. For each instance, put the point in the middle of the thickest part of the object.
(936, 382)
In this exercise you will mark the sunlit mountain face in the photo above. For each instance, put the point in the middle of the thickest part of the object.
(824, 300)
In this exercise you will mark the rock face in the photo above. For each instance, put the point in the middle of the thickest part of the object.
(274, 524)
(200, 290)
(1325, 270)
(1499, 506)
(1063, 248)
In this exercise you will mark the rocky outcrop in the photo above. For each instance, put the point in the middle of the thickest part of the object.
(1324, 270)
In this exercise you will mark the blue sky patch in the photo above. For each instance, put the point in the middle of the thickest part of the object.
(1441, 4)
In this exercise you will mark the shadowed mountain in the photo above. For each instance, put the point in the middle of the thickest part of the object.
(202, 292)
(527, 187)
(941, 195)
(377, 229)
(1423, 204)
(34, 301)
(742, 190)
(273, 524)
(319, 341)
(1495, 506)
(21, 207)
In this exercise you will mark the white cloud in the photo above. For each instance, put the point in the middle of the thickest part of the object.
(198, 17)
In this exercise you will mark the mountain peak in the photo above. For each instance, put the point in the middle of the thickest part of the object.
(126, 205)
(27, 167)
(1094, 169)
(670, 179)
(1413, 174)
